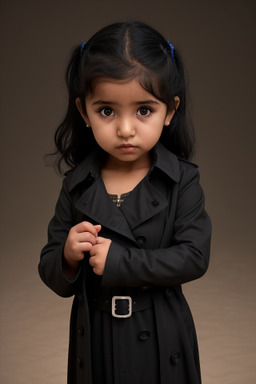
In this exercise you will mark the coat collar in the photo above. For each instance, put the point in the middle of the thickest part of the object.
(164, 160)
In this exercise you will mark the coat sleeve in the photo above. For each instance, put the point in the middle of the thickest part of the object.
(187, 257)
(51, 259)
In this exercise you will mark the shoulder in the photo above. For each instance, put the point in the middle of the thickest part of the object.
(186, 163)
(76, 178)
(173, 166)
(67, 179)
(187, 168)
(87, 170)
(189, 183)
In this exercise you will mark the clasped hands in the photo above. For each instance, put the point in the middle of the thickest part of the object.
(83, 237)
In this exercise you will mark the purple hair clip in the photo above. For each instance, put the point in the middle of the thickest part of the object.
(172, 49)
(82, 47)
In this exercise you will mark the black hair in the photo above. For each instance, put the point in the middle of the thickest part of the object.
(124, 51)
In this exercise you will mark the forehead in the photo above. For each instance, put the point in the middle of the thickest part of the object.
(117, 90)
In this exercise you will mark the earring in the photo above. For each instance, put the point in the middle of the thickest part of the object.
(87, 126)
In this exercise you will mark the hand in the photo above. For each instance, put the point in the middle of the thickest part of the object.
(80, 239)
(98, 254)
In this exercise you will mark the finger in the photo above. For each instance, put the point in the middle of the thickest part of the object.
(86, 237)
(100, 240)
(85, 247)
(97, 227)
(78, 250)
(93, 250)
(92, 261)
(85, 226)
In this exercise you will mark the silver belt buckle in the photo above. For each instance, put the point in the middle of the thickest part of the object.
(114, 299)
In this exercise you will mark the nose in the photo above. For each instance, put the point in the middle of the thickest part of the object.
(125, 128)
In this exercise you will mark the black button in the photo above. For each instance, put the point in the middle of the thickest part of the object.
(155, 203)
(175, 356)
(79, 362)
(80, 330)
(141, 240)
(144, 335)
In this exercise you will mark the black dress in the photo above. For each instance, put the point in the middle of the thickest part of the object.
(124, 350)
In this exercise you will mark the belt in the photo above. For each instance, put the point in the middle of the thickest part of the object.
(123, 306)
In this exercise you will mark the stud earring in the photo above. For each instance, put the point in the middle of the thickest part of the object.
(87, 126)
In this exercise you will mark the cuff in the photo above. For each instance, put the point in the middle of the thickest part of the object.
(110, 275)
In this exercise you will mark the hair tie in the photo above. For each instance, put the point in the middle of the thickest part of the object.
(82, 47)
(172, 49)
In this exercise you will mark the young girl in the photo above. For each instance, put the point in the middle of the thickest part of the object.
(130, 225)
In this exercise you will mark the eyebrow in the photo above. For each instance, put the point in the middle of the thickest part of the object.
(103, 102)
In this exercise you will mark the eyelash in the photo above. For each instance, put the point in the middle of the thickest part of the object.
(101, 110)
(149, 111)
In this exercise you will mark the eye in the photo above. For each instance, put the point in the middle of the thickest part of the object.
(107, 111)
(144, 111)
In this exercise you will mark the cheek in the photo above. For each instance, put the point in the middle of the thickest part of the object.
(153, 134)
(102, 136)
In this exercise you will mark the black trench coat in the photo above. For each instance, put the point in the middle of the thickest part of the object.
(161, 240)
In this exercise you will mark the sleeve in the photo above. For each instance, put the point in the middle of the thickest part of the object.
(51, 259)
(186, 259)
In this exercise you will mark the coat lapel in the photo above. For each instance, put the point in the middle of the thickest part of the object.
(143, 203)
(97, 206)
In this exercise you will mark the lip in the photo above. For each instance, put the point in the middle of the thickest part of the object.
(127, 148)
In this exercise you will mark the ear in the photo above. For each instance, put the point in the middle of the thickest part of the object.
(170, 114)
(80, 109)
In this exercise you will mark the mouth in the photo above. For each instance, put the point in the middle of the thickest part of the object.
(127, 148)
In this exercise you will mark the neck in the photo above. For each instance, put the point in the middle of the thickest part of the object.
(123, 177)
(116, 165)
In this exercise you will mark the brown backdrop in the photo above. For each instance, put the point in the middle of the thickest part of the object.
(217, 39)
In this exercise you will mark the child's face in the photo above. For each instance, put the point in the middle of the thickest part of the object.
(126, 120)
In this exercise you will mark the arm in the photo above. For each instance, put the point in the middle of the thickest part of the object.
(60, 260)
(184, 260)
